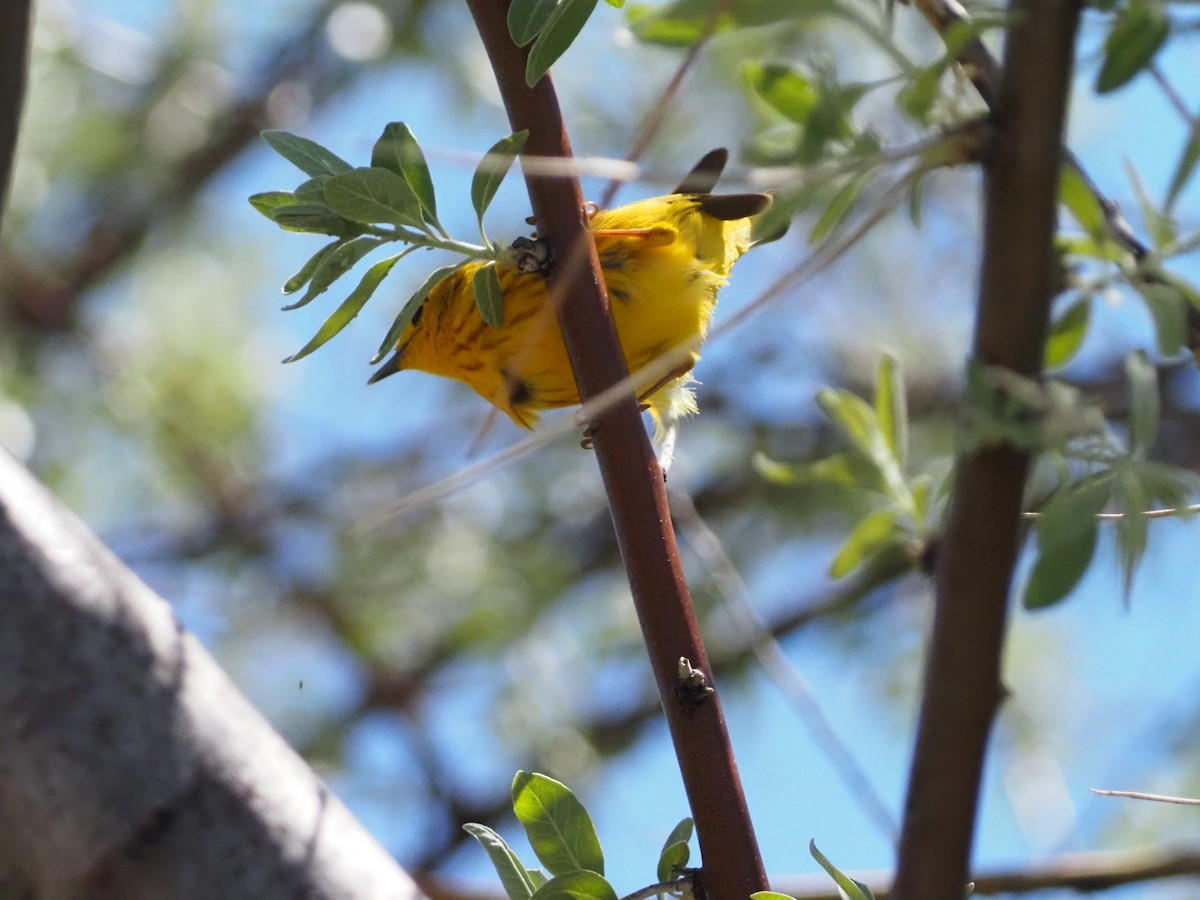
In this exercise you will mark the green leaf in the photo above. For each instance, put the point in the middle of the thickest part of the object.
(1067, 332)
(559, 32)
(300, 279)
(491, 171)
(1185, 168)
(339, 261)
(916, 98)
(1168, 307)
(854, 890)
(526, 18)
(313, 190)
(921, 488)
(770, 895)
(397, 151)
(1143, 404)
(559, 828)
(672, 860)
(513, 875)
(1161, 227)
(838, 208)
(870, 536)
(1137, 33)
(891, 408)
(268, 201)
(307, 156)
(581, 885)
(1133, 526)
(849, 469)
(313, 218)
(675, 853)
(1066, 540)
(344, 314)
(410, 309)
(786, 90)
(684, 22)
(1081, 201)
(857, 421)
(489, 297)
(372, 195)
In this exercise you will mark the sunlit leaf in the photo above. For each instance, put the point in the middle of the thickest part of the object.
(559, 828)
(488, 295)
(1185, 168)
(1144, 404)
(891, 407)
(491, 171)
(854, 890)
(1168, 307)
(372, 195)
(786, 90)
(300, 279)
(526, 18)
(268, 201)
(581, 885)
(514, 877)
(557, 35)
(410, 309)
(398, 151)
(675, 853)
(350, 307)
(1066, 540)
(1078, 197)
(313, 218)
(1137, 34)
(344, 257)
(871, 535)
(307, 156)
(1133, 527)
(838, 208)
(1067, 332)
(313, 190)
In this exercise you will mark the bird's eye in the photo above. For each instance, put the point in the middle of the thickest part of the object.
(417, 315)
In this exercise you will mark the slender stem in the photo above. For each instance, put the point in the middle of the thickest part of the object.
(1017, 282)
(732, 868)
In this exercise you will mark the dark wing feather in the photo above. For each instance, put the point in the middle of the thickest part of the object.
(731, 207)
(705, 174)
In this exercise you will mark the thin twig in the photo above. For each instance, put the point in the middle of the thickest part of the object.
(674, 886)
(1138, 795)
(1172, 95)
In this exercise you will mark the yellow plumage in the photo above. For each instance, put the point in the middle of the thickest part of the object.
(663, 259)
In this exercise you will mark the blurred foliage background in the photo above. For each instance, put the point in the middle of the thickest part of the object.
(419, 659)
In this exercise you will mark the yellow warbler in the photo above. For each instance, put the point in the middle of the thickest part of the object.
(663, 260)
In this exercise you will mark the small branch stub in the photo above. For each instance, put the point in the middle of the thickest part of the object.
(529, 256)
(691, 686)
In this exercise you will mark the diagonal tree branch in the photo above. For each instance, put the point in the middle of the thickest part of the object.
(975, 564)
(632, 480)
(130, 766)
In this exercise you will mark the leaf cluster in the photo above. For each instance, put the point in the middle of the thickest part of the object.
(391, 201)
(564, 840)
(875, 463)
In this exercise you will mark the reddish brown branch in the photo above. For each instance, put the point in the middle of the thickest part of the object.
(975, 565)
(632, 479)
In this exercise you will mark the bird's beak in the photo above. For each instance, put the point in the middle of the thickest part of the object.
(393, 365)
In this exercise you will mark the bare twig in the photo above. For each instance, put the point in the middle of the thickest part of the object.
(1138, 795)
